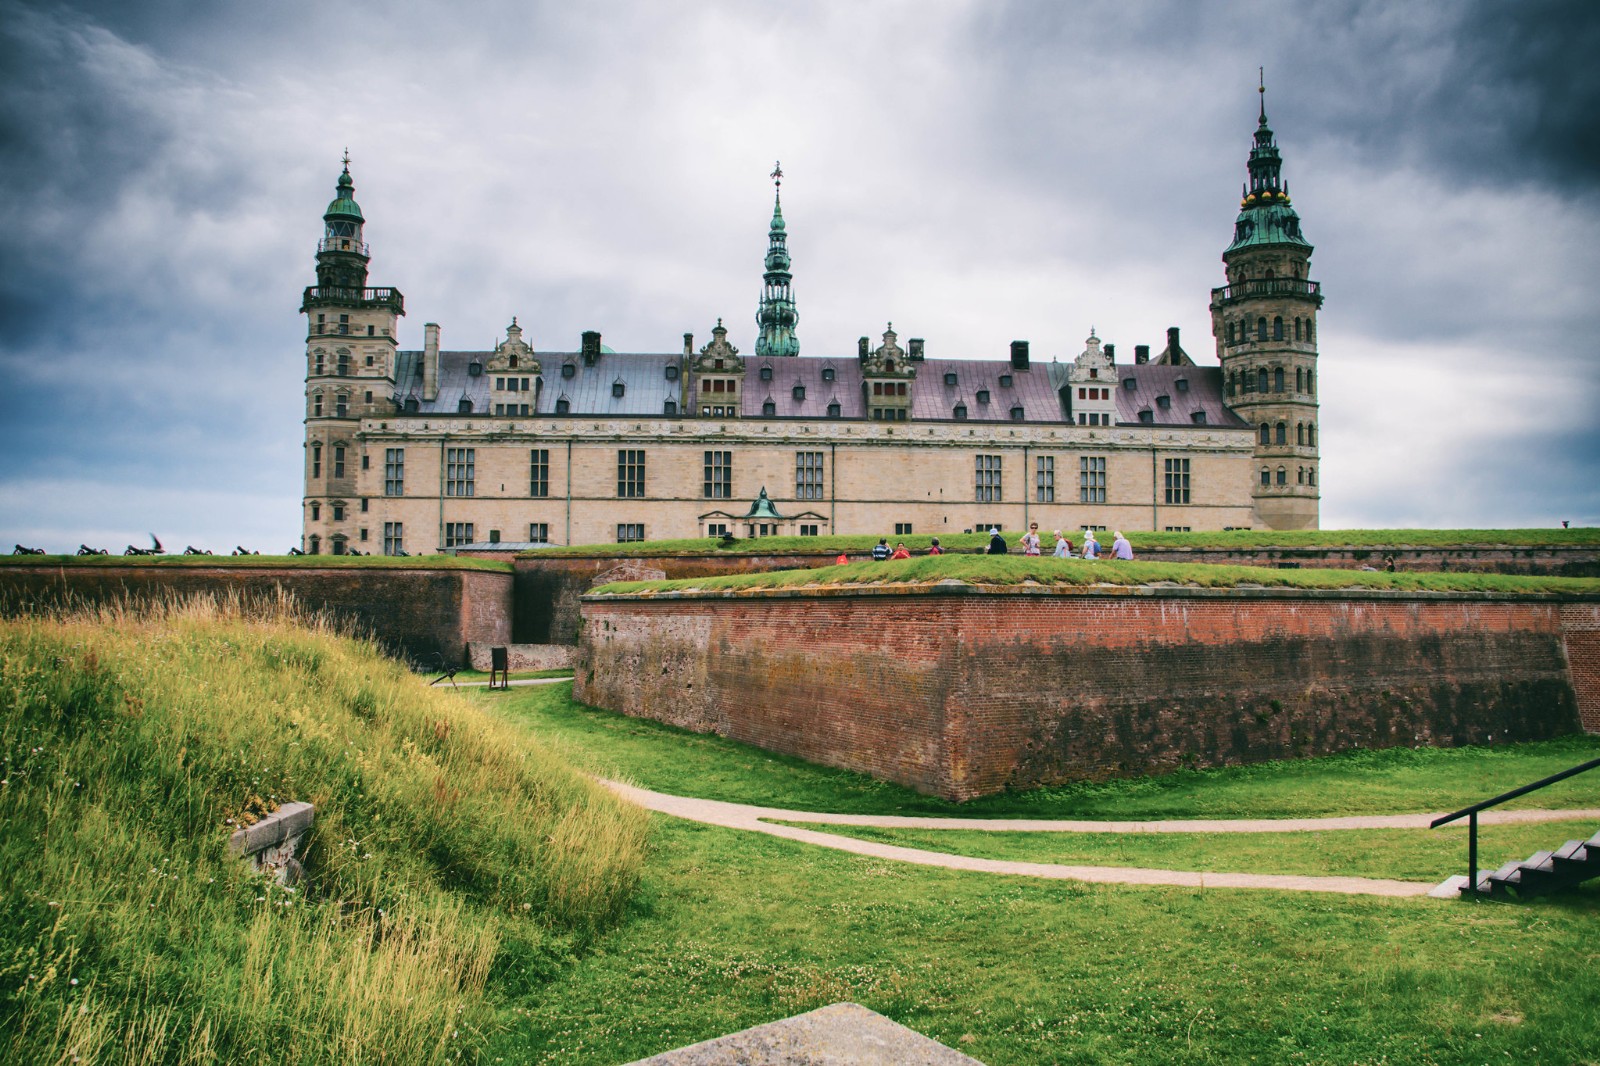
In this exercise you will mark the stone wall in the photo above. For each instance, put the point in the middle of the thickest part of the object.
(549, 588)
(423, 615)
(962, 693)
(523, 657)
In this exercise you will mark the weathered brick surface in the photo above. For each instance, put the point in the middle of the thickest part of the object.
(963, 694)
(418, 613)
(550, 587)
(1581, 624)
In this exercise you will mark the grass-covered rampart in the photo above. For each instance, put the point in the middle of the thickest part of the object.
(1014, 570)
(448, 848)
(265, 562)
(1141, 540)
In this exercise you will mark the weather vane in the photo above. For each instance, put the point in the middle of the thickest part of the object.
(777, 174)
(347, 158)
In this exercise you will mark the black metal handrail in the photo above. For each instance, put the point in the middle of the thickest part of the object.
(1471, 813)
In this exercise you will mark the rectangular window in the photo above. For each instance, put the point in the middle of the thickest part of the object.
(457, 533)
(338, 460)
(539, 532)
(902, 529)
(719, 475)
(988, 479)
(363, 500)
(316, 460)
(394, 473)
(366, 461)
(808, 475)
(363, 532)
(808, 531)
(630, 475)
(1177, 480)
(338, 512)
(1092, 479)
(539, 472)
(716, 529)
(629, 532)
(394, 539)
(1176, 529)
(1044, 479)
(460, 472)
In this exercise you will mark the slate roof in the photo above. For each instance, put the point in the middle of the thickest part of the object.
(646, 388)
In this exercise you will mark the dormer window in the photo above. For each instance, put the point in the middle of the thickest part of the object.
(568, 370)
(833, 410)
(1163, 402)
(827, 373)
(474, 370)
(1005, 381)
(618, 388)
(960, 412)
(1094, 372)
(670, 407)
(1016, 414)
(412, 406)
(1147, 416)
(1199, 418)
(766, 373)
(983, 395)
(769, 408)
(716, 364)
(513, 363)
(799, 392)
(950, 378)
(1130, 383)
(1182, 384)
(464, 407)
(672, 373)
(563, 406)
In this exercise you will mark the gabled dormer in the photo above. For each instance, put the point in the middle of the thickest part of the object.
(1090, 393)
(514, 378)
(887, 375)
(716, 377)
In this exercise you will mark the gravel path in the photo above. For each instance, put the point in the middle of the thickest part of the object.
(759, 820)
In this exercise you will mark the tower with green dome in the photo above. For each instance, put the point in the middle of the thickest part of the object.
(351, 332)
(1265, 323)
(777, 315)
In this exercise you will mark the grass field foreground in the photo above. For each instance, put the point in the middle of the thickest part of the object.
(448, 850)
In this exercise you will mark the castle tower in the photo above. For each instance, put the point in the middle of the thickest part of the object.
(777, 315)
(1265, 323)
(350, 357)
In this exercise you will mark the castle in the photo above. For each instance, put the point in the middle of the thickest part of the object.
(417, 451)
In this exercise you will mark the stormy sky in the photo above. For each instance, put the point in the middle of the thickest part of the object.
(975, 172)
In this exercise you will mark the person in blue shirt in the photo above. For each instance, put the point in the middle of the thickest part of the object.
(880, 550)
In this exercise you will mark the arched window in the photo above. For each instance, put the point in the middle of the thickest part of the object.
(961, 412)
(1277, 328)
(1297, 329)
(1266, 433)
(1261, 329)
(1283, 476)
(1300, 476)
(1311, 382)
(1283, 434)
(1233, 380)
(514, 362)
(315, 545)
(1261, 379)
(1311, 333)
(1311, 435)
(1277, 379)
(1266, 476)
(1299, 379)
(1300, 433)
(1230, 332)
(1311, 475)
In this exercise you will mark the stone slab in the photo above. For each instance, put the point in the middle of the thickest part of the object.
(838, 1034)
(275, 828)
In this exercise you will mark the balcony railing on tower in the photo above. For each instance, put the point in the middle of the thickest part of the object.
(1267, 287)
(364, 299)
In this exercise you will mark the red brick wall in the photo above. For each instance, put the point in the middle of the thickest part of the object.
(1581, 624)
(962, 694)
(421, 614)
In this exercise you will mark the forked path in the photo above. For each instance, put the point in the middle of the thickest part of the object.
(762, 819)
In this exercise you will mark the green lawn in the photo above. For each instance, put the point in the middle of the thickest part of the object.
(276, 562)
(1395, 781)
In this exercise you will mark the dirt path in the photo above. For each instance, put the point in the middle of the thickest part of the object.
(760, 820)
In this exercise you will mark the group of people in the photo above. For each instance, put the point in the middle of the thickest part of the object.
(1032, 544)
(881, 552)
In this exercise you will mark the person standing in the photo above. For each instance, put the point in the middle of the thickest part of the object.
(1120, 548)
(934, 549)
(880, 550)
(1030, 540)
(997, 543)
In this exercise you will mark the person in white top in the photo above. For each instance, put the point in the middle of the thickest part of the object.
(1090, 548)
(1030, 540)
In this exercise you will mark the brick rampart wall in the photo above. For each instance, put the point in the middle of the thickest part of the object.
(1580, 623)
(549, 587)
(962, 693)
(421, 614)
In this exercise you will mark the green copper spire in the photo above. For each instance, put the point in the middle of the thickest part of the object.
(1265, 216)
(777, 315)
(344, 204)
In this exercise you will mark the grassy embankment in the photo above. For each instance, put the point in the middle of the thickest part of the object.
(1045, 570)
(1140, 539)
(450, 853)
(258, 562)
(733, 929)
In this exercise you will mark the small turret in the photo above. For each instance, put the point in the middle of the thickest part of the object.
(777, 315)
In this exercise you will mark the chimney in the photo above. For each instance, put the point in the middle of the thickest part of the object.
(916, 348)
(1141, 353)
(862, 349)
(430, 361)
(1019, 355)
(1111, 353)
(1175, 355)
(591, 347)
(688, 344)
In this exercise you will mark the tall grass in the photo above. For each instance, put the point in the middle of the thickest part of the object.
(446, 845)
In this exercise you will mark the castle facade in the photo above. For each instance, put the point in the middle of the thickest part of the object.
(421, 450)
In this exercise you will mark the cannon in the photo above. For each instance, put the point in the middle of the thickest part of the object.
(21, 550)
(84, 549)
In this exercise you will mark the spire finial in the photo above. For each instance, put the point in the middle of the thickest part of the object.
(1261, 72)
(347, 157)
(777, 174)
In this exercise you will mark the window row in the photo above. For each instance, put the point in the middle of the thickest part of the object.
(1305, 475)
(1305, 434)
(512, 384)
(1274, 380)
(1242, 331)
